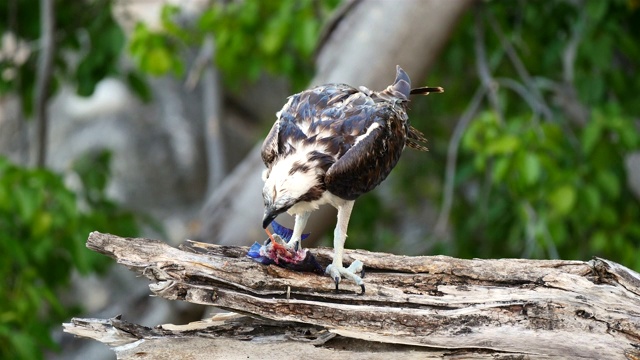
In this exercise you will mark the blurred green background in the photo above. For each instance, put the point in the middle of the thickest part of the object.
(530, 156)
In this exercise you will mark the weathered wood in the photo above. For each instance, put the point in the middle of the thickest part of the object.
(535, 308)
(233, 336)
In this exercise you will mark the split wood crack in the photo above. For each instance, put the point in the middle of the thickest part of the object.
(430, 304)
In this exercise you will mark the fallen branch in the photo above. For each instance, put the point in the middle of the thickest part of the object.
(481, 308)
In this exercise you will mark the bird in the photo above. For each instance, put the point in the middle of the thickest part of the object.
(329, 145)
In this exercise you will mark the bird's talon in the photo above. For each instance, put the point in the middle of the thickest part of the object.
(338, 272)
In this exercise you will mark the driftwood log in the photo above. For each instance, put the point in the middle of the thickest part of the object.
(415, 307)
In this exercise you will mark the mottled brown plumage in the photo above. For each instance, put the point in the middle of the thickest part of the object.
(333, 143)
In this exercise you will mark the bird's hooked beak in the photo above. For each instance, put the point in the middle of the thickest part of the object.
(269, 215)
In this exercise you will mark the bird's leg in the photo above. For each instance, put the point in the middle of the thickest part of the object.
(336, 270)
(298, 227)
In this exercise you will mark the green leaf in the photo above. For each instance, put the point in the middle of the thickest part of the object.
(27, 201)
(480, 162)
(500, 169)
(504, 145)
(608, 216)
(41, 224)
(158, 61)
(530, 168)
(562, 199)
(592, 197)
(25, 346)
(590, 136)
(596, 9)
(274, 37)
(305, 37)
(599, 241)
(609, 182)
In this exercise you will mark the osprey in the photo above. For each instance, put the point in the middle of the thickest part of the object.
(331, 144)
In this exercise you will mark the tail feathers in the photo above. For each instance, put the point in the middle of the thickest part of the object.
(402, 85)
(426, 90)
(416, 139)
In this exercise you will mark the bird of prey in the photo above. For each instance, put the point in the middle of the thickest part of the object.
(331, 144)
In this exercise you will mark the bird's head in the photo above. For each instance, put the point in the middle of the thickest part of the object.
(287, 184)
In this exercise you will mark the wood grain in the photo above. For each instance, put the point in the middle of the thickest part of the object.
(538, 308)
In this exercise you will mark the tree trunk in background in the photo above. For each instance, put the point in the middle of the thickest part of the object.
(44, 77)
(363, 48)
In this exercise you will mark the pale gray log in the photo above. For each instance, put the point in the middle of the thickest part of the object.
(534, 308)
(232, 336)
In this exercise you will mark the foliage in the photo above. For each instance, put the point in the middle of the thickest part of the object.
(88, 45)
(372, 227)
(44, 226)
(551, 196)
(250, 37)
(158, 53)
(540, 172)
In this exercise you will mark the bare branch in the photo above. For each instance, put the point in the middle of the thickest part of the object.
(22, 128)
(522, 71)
(530, 234)
(524, 93)
(452, 155)
(44, 75)
(571, 50)
(203, 70)
(566, 93)
(482, 64)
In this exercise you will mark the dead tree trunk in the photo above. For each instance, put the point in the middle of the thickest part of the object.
(426, 307)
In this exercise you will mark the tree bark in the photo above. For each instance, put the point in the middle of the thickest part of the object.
(537, 309)
(363, 48)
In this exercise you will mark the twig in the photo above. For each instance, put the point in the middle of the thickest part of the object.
(204, 70)
(203, 59)
(570, 51)
(529, 231)
(530, 234)
(523, 92)
(522, 71)
(566, 91)
(483, 65)
(552, 249)
(332, 23)
(23, 133)
(452, 155)
(44, 74)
